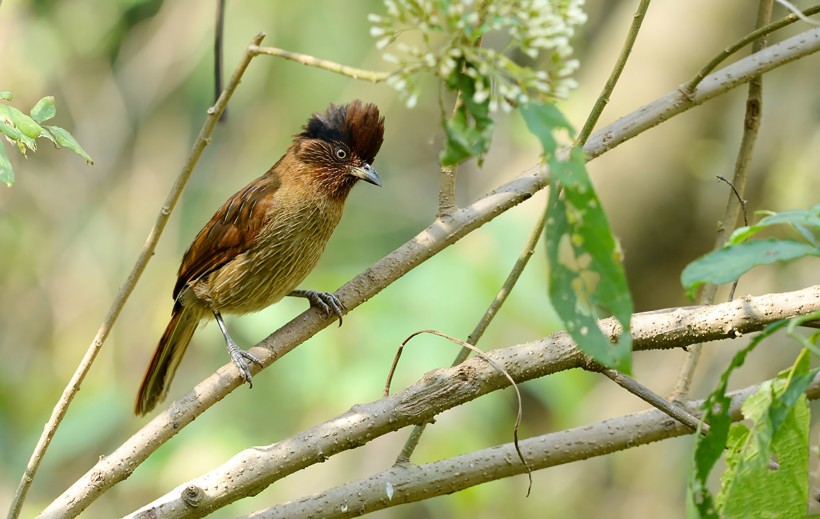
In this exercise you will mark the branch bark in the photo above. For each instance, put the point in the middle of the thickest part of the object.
(444, 389)
(407, 483)
(123, 461)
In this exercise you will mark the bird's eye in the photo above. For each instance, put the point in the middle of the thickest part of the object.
(341, 154)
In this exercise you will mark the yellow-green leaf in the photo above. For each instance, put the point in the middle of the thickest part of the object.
(44, 110)
(6, 173)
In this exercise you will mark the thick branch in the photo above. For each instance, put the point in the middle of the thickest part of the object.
(408, 483)
(443, 389)
(122, 462)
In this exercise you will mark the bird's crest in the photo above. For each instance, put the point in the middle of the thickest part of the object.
(355, 124)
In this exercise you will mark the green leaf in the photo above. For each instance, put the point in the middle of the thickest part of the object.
(67, 140)
(727, 264)
(586, 273)
(21, 121)
(48, 135)
(542, 120)
(5, 96)
(12, 133)
(780, 414)
(6, 173)
(44, 110)
(709, 448)
(469, 131)
(800, 219)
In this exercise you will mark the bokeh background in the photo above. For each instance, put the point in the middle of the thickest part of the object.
(132, 80)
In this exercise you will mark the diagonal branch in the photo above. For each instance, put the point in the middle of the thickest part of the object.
(407, 483)
(444, 389)
(123, 461)
(713, 85)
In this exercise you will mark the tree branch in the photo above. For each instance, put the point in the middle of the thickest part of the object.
(713, 85)
(123, 461)
(444, 389)
(407, 483)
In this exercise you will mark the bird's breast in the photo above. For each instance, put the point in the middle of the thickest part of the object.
(286, 249)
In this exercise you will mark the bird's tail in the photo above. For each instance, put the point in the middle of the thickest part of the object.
(166, 358)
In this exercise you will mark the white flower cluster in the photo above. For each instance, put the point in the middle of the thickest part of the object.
(450, 32)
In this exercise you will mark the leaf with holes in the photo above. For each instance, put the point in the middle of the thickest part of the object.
(587, 278)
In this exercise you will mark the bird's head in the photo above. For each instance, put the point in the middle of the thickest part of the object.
(340, 145)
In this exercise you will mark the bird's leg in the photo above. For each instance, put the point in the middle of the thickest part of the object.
(325, 301)
(239, 356)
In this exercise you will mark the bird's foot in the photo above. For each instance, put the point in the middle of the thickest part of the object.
(242, 360)
(324, 301)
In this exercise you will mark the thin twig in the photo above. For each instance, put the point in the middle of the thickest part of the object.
(482, 355)
(505, 290)
(742, 203)
(330, 66)
(219, 32)
(690, 87)
(147, 252)
(673, 409)
(609, 86)
(751, 124)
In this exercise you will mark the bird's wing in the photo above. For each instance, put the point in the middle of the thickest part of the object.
(231, 231)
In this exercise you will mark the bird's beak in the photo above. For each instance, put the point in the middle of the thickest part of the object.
(366, 173)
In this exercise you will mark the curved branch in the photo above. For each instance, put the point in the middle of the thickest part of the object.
(444, 389)
(407, 483)
(123, 461)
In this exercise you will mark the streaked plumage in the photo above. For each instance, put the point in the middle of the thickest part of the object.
(267, 237)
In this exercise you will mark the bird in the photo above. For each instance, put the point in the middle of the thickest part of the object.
(266, 238)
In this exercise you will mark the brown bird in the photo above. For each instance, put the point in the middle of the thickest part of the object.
(266, 238)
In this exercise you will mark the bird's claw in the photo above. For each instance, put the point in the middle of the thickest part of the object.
(326, 302)
(241, 359)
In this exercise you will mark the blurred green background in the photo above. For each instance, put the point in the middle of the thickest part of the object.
(132, 80)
